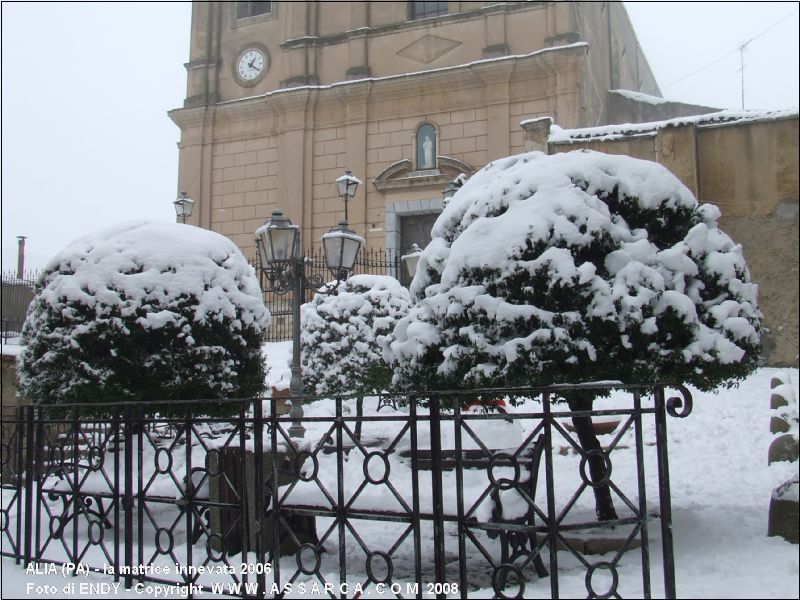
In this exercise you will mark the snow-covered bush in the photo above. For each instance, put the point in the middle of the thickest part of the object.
(147, 312)
(344, 335)
(578, 267)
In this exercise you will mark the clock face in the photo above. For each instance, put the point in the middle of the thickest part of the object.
(251, 65)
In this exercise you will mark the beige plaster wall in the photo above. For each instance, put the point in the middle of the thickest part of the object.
(749, 169)
(770, 246)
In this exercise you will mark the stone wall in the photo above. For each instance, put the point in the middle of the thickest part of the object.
(8, 392)
(9, 402)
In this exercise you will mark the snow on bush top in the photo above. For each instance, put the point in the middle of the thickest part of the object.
(344, 334)
(137, 264)
(173, 301)
(578, 266)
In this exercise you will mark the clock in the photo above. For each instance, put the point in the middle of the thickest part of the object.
(251, 66)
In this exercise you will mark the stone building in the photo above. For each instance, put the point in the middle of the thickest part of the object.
(282, 97)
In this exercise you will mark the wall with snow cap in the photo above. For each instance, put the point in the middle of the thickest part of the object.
(625, 106)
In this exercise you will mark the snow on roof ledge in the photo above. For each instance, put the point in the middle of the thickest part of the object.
(535, 120)
(640, 97)
(610, 132)
(401, 76)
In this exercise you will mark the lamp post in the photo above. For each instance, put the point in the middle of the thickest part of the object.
(278, 244)
(346, 187)
(452, 187)
(411, 259)
(183, 206)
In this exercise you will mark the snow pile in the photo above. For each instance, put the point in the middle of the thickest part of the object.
(574, 267)
(277, 359)
(344, 333)
(175, 302)
(10, 346)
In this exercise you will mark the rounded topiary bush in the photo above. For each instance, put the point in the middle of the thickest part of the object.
(145, 312)
(344, 335)
(578, 267)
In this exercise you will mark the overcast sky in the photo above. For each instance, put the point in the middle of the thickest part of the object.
(86, 140)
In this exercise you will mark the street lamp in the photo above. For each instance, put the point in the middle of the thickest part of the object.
(341, 249)
(411, 259)
(346, 187)
(452, 187)
(278, 244)
(183, 206)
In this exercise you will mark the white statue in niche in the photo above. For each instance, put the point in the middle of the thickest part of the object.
(427, 145)
(427, 152)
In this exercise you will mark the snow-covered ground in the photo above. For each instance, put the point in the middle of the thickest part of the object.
(721, 487)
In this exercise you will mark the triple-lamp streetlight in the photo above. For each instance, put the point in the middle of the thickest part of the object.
(278, 243)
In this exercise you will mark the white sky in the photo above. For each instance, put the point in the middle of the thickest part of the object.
(86, 140)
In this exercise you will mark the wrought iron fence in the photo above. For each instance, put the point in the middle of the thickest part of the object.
(17, 293)
(372, 262)
(413, 501)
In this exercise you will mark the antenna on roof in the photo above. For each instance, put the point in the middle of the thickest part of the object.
(741, 61)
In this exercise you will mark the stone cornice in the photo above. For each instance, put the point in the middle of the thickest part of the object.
(475, 74)
(399, 175)
(432, 178)
(186, 118)
(338, 38)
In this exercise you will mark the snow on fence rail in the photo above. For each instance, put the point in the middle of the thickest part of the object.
(424, 500)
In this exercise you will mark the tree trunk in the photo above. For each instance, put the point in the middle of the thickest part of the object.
(604, 505)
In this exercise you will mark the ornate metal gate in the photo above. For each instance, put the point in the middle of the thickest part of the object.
(435, 498)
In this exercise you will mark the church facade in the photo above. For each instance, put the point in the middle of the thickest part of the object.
(282, 97)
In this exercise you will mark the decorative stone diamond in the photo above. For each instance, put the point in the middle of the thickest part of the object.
(428, 48)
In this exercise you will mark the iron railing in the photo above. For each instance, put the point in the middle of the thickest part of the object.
(17, 293)
(422, 501)
(371, 262)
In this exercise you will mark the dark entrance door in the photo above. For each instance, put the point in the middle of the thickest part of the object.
(414, 229)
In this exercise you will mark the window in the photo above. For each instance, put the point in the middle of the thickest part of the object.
(252, 9)
(426, 147)
(423, 10)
